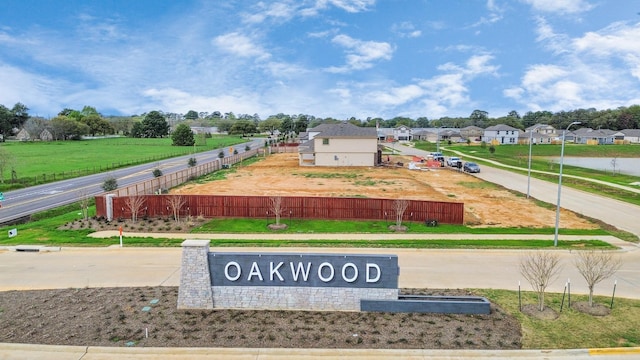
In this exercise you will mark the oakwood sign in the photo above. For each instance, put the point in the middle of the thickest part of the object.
(289, 281)
(304, 270)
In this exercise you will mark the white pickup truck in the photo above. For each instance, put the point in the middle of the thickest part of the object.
(453, 161)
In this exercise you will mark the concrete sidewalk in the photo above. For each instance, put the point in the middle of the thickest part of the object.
(53, 352)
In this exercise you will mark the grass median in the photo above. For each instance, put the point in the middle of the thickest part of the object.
(48, 231)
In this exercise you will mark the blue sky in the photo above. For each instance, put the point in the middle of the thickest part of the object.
(328, 58)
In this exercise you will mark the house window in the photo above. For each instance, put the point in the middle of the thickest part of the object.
(325, 141)
(498, 132)
(512, 140)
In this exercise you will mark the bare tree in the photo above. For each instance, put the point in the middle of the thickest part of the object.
(400, 206)
(614, 164)
(83, 200)
(275, 205)
(134, 204)
(595, 267)
(539, 269)
(175, 203)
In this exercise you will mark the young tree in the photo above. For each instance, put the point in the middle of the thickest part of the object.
(175, 204)
(83, 200)
(110, 184)
(539, 269)
(595, 267)
(614, 164)
(275, 205)
(183, 136)
(400, 206)
(134, 204)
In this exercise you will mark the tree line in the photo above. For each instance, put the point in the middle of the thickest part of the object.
(73, 124)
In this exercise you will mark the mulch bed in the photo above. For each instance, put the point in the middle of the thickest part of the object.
(116, 317)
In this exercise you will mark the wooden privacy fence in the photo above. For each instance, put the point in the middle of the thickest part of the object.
(296, 207)
(168, 181)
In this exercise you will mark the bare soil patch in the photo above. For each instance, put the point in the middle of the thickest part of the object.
(115, 317)
(534, 311)
(485, 204)
(595, 310)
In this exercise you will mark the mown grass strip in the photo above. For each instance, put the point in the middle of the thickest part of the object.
(572, 329)
(308, 226)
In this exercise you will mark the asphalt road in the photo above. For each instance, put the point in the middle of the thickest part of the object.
(24, 202)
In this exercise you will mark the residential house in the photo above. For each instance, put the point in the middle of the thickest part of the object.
(473, 133)
(46, 135)
(501, 135)
(23, 135)
(341, 144)
(402, 133)
(535, 137)
(425, 135)
(447, 135)
(597, 137)
(385, 134)
(542, 129)
(204, 129)
(631, 135)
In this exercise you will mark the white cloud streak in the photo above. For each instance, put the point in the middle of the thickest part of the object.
(361, 54)
(560, 6)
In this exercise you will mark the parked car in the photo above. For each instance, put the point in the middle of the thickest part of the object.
(453, 161)
(471, 167)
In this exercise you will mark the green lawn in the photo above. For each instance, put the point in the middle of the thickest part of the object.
(45, 232)
(572, 329)
(39, 162)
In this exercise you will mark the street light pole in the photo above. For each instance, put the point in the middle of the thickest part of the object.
(438, 140)
(529, 167)
(564, 134)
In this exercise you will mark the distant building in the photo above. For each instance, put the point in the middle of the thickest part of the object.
(597, 137)
(631, 135)
(501, 135)
(341, 144)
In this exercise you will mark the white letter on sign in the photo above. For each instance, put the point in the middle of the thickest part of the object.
(255, 271)
(355, 272)
(369, 278)
(275, 271)
(332, 272)
(238, 271)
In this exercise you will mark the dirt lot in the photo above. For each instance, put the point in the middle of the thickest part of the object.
(485, 204)
(115, 317)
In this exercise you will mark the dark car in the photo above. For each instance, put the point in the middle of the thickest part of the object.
(471, 167)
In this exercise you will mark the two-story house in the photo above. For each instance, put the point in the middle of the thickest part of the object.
(341, 144)
(501, 135)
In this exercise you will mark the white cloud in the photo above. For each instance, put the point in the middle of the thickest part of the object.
(351, 6)
(181, 101)
(618, 40)
(280, 11)
(406, 29)
(33, 90)
(396, 96)
(553, 41)
(560, 6)
(586, 73)
(241, 45)
(361, 54)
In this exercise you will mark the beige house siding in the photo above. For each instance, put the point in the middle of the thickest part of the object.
(345, 151)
